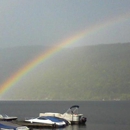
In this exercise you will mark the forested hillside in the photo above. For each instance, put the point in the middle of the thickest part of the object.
(98, 72)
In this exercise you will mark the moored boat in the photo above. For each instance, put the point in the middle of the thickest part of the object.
(48, 120)
(5, 125)
(71, 115)
(7, 118)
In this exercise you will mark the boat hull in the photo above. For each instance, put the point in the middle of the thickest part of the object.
(48, 120)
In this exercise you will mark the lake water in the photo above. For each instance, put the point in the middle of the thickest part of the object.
(101, 115)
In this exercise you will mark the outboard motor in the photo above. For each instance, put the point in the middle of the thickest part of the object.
(83, 120)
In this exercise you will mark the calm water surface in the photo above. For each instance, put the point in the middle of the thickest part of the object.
(106, 115)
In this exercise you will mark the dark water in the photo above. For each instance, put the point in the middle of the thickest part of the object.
(104, 115)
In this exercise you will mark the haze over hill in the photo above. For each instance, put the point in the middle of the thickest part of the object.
(98, 72)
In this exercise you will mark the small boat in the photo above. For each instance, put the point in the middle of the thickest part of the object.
(71, 115)
(48, 120)
(5, 125)
(7, 118)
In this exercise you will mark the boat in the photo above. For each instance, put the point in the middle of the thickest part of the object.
(5, 125)
(7, 118)
(48, 120)
(71, 115)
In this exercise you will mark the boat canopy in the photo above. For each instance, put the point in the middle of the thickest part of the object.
(74, 106)
(73, 109)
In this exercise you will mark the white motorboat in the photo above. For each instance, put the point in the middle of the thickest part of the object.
(7, 118)
(71, 115)
(48, 120)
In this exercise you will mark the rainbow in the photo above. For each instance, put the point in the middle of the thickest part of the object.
(11, 81)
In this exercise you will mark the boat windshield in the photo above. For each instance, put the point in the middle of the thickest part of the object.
(73, 110)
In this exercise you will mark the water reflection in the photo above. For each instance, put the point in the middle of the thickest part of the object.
(69, 127)
(74, 127)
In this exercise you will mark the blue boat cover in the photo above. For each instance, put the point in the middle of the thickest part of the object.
(54, 119)
(7, 127)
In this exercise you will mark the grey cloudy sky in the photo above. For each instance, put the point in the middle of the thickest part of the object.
(47, 22)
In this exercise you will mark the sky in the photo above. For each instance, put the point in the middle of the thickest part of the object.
(47, 22)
